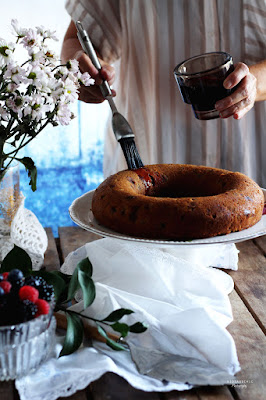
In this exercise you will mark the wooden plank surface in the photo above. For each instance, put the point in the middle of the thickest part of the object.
(251, 349)
(247, 329)
(80, 395)
(113, 387)
(261, 243)
(51, 257)
(250, 280)
(72, 237)
(8, 391)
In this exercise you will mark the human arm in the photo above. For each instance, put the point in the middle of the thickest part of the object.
(71, 49)
(251, 83)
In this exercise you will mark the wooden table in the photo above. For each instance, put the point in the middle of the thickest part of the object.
(248, 330)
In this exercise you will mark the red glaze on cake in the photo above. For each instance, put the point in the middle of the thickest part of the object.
(177, 202)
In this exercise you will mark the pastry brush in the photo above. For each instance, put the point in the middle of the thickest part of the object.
(122, 130)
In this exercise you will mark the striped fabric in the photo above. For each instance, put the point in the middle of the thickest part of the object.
(145, 39)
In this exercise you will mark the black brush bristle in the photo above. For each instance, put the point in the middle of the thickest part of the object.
(131, 153)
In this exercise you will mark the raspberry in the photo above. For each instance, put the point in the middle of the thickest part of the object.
(5, 275)
(28, 293)
(43, 307)
(6, 286)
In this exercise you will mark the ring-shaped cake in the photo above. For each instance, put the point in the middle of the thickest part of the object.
(177, 202)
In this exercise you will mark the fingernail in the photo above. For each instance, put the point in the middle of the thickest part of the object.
(228, 84)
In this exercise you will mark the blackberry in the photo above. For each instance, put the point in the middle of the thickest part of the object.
(26, 311)
(46, 291)
(35, 281)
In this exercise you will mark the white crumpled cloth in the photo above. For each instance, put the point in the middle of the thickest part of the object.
(184, 301)
(26, 232)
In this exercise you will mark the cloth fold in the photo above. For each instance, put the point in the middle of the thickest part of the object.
(185, 304)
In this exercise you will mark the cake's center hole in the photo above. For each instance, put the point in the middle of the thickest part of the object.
(182, 184)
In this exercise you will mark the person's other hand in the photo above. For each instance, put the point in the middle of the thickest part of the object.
(243, 97)
(93, 94)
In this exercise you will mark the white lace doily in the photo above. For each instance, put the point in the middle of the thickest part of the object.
(26, 232)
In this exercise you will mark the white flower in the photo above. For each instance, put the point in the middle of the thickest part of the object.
(46, 33)
(6, 52)
(16, 104)
(30, 40)
(37, 107)
(15, 73)
(70, 90)
(36, 76)
(86, 79)
(73, 66)
(20, 32)
(64, 115)
(11, 87)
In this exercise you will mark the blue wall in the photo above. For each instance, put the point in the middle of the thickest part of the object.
(69, 162)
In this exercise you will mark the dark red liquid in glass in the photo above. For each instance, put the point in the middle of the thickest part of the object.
(203, 92)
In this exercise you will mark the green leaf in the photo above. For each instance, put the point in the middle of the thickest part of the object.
(74, 334)
(121, 328)
(17, 258)
(73, 285)
(111, 343)
(32, 171)
(82, 278)
(52, 278)
(65, 277)
(85, 266)
(115, 345)
(138, 327)
(88, 288)
(117, 315)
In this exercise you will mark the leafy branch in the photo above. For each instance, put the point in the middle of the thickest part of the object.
(65, 289)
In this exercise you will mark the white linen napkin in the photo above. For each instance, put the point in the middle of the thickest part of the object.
(185, 304)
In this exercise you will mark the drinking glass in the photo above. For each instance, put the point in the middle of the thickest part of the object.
(200, 81)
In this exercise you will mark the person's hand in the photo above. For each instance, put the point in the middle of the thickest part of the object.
(92, 94)
(243, 97)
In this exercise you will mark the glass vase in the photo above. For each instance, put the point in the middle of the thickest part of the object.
(9, 197)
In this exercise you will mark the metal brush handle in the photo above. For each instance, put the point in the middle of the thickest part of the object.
(122, 130)
(89, 49)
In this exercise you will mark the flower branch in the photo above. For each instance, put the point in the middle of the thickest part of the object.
(35, 93)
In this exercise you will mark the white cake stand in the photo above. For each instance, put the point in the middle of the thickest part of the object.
(81, 214)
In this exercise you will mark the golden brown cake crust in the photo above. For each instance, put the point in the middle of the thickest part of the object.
(177, 202)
